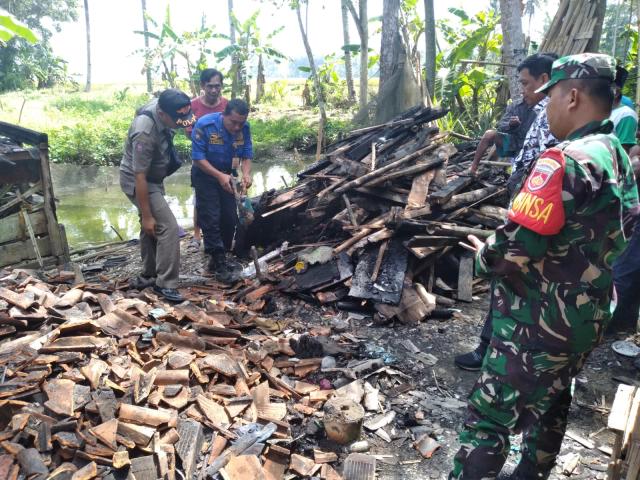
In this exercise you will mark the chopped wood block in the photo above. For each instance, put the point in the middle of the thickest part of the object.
(465, 278)
(189, 445)
(321, 395)
(107, 404)
(178, 401)
(219, 444)
(146, 416)
(324, 457)
(236, 407)
(619, 415)
(328, 473)
(242, 468)
(121, 459)
(77, 344)
(170, 437)
(93, 371)
(261, 394)
(304, 388)
(78, 327)
(276, 411)
(172, 377)
(221, 363)
(119, 323)
(61, 398)
(258, 293)
(31, 463)
(105, 302)
(67, 440)
(89, 471)
(70, 298)
(142, 383)
(304, 409)
(212, 410)
(188, 341)
(302, 465)
(106, 432)
(144, 468)
(23, 301)
(138, 434)
(275, 465)
(63, 472)
(180, 359)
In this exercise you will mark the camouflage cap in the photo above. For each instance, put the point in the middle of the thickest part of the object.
(581, 66)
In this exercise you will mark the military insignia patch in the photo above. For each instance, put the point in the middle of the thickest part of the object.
(216, 139)
(538, 206)
(542, 173)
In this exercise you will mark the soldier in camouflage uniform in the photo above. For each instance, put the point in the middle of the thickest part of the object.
(551, 263)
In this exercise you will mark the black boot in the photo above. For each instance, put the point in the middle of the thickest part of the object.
(472, 360)
(220, 269)
(527, 471)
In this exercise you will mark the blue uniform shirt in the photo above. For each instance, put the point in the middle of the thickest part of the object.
(210, 141)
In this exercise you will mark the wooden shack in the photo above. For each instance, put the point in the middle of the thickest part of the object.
(30, 234)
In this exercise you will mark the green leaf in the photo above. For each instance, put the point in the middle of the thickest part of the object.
(305, 69)
(353, 48)
(10, 27)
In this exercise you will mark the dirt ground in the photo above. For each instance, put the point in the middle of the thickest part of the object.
(438, 391)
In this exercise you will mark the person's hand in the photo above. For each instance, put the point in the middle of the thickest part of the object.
(247, 181)
(514, 122)
(225, 182)
(149, 226)
(476, 242)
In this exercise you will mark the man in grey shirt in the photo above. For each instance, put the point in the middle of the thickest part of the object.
(149, 157)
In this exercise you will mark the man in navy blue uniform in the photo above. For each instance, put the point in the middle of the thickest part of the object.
(221, 148)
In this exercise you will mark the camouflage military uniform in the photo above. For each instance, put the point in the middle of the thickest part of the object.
(551, 263)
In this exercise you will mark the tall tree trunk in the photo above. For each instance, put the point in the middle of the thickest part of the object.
(87, 87)
(388, 53)
(145, 29)
(260, 80)
(513, 42)
(362, 22)
(316, 83)
(235, 64)
(430, 47)
(351, 93)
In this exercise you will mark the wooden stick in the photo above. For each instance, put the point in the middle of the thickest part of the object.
(376, 268)
(358, 182)
(352, 216)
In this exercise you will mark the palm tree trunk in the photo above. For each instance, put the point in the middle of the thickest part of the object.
(513, 42)
(430, 50)
(316, 83)
(351, 93)
(145, 29)
(260, 80)
(364, 53)
(235, 66)
(87, 87)
(390, 28)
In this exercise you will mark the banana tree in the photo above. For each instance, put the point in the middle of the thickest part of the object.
(251, 45)
(170, 48)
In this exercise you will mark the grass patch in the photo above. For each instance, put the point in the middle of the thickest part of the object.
(90, 128)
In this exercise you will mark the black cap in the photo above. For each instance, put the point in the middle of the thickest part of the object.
(171, 101)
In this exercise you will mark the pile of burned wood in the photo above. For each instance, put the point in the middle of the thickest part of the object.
(97, 380)
(377, 222)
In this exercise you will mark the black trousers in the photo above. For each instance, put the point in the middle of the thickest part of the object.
(487, 328)
(217, 214)
(626, 278)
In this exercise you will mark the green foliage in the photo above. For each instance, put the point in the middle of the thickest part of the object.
(469, 90)
(26, 62)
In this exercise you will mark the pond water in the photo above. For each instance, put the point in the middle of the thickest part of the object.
(92, 207)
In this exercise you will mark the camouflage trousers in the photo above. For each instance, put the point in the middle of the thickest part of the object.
(518, 391)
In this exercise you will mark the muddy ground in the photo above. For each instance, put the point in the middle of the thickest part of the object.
(437, 392)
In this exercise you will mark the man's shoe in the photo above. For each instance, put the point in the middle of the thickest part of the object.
(140, 282)
(170, 294)
(471, 361)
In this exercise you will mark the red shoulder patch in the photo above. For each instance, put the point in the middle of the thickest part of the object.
(538, 206)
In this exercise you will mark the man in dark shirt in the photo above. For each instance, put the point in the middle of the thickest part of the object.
(221, 145)
(514, 125)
